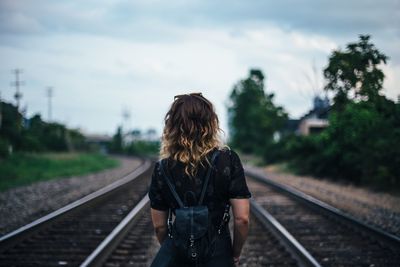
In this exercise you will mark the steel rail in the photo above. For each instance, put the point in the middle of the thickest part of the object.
(299, 253)
(105, 249)
(100, 254)
(15, 236)
(327, 209)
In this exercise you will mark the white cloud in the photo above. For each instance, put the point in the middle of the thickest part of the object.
(100, 61)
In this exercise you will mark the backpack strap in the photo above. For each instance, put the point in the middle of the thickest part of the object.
(204, 189)
(171, 186)
(205, 184)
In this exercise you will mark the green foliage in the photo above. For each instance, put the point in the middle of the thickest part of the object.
(253, 117)
(76, 141)
(362, 142)
(139, 144)
(371, 140)
(35, 135)
(116, 144)
(361, 145)
(11, 125)
(282, 150)
(354, 73)
(22, 168)
(143, 148)
(4, 147)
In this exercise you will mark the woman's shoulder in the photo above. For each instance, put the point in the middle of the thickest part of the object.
(228, 153)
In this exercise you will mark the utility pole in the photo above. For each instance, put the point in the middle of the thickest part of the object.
(126, 115)
(49, 95)
(17, 84)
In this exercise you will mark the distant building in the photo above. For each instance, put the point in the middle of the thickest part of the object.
(316, 119)
(98, 141)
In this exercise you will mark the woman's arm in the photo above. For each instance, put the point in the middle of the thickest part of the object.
(241, 211)
(159, 218)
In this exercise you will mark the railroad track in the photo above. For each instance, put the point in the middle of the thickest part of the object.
(292, 232)
(329, 236)
(285, 230)
(263, 246)
(134, 244)
(66, 237)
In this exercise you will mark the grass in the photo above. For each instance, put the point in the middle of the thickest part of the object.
(26, 168)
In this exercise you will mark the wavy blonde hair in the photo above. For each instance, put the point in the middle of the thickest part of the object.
(191, 131)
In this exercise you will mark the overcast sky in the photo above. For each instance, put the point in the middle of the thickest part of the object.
(103, 56)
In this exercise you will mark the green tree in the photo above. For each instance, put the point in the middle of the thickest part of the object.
(362, 142)
(10, 130)
(35, 134)
(354, 74)
(253, 117)
(116, 143)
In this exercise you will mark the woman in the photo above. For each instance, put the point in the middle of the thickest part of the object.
(190, 136)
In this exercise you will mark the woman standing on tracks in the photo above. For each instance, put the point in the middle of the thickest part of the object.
(190, 138)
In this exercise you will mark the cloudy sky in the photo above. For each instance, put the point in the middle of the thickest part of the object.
(106, 56)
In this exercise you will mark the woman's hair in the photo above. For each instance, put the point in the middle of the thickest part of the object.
(191, 131)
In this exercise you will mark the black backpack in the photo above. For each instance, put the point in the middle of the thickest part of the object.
(193, 234)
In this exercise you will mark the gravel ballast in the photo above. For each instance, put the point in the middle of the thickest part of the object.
(24, 204)
(376, 208)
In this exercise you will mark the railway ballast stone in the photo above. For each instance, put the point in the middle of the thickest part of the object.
(24, 204)
(376, 208)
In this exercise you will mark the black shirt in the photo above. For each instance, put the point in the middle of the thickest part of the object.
(227, 181)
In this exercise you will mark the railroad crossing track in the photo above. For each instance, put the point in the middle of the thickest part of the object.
(285, 230)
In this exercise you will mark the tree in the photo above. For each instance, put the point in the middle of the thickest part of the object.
(354, 74)
(253, 117)
(116, 143)
(10, 131)
(35, 135)
(362, 142)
